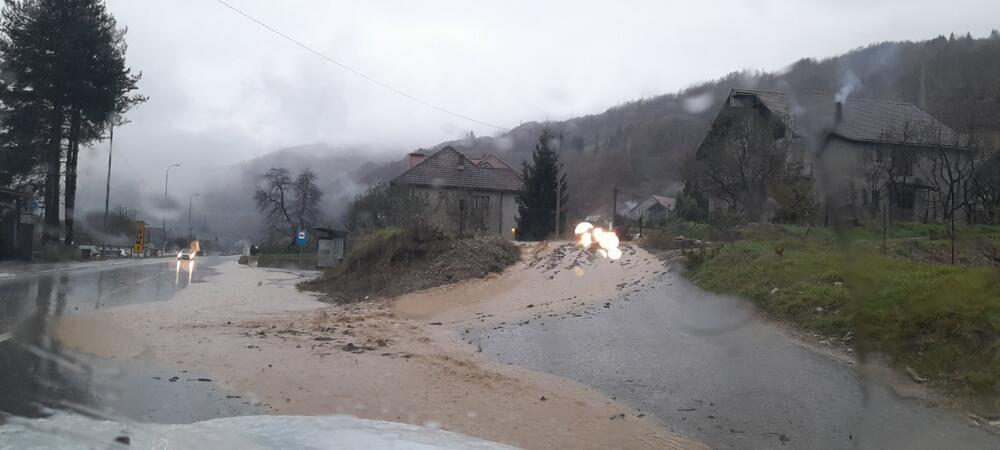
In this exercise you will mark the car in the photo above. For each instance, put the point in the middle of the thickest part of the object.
(186, 254)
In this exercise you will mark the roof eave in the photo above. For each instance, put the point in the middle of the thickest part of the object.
(439, 186)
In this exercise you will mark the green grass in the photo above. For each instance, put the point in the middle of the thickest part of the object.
(943, 321)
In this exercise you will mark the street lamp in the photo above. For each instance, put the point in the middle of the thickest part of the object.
(190, 199)
(166, 180)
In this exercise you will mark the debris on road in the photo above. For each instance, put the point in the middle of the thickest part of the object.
(915, 377)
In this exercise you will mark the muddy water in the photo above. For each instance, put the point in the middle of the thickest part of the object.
(35, 372)
(708, 367)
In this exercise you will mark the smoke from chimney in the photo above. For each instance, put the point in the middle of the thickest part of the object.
(848, 84)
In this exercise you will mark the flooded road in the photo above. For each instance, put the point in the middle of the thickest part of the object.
(708, 367)
(35, 372)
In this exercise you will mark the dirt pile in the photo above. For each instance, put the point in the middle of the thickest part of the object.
(394, 261)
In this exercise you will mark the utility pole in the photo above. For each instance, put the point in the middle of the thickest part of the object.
(558, 202)
(558, 187)
(614, 208)
(107, 189)
(190, 199)
(166, 180)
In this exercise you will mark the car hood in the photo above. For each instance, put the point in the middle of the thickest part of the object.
(71, 431)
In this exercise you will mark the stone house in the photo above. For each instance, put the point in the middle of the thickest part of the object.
(655, 210)
(861, 157)
(465, 194)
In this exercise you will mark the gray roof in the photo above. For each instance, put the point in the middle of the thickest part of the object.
(883, 121)
(649, 202)
(667, 202)
(442, 170)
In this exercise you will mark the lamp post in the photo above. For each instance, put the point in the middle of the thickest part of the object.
(190, 199)
(166, 180)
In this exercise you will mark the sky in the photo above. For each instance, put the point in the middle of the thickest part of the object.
(223, 89)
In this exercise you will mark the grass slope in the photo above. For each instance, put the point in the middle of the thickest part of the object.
(941, 320)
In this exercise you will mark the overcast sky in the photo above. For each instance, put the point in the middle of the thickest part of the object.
(223, 89)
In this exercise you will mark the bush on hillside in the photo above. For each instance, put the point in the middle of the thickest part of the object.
(393, 261)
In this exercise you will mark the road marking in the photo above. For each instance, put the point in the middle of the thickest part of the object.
(142, 262)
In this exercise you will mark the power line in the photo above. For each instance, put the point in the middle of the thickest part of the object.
(138, 179)
(355, 72)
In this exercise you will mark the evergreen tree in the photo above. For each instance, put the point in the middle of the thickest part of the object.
(537, 203)
(65, 81)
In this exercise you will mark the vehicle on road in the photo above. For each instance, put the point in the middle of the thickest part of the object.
(187, 254)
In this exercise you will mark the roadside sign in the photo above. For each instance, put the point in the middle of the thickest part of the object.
(301, 240)
(140, 237)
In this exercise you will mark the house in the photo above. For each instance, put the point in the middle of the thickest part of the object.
(465, 194)
(856, 157)
(655, 210)
(16, 228)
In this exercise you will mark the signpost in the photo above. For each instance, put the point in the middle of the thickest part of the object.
(301, 240)
(140, 238)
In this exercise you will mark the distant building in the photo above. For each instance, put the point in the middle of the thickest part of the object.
(653, 211)
(16, 229)
(467, 194)
(857, 155)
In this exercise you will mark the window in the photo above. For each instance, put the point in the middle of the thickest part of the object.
(902, 164)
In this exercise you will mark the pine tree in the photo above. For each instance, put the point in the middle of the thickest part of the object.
(66, 81)
(99, 84)
(31, 85)
(537, 203)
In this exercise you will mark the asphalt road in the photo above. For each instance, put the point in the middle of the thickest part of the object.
(35, 372)
(708, 367)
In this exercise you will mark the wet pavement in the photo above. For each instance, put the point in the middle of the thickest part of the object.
(36, 373)
(708, 367)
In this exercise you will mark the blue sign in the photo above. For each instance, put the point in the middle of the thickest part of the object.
(301, 239)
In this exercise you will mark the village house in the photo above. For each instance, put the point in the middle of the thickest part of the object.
(465, 194)
(861, 157)
(655, 210)
(16, 229)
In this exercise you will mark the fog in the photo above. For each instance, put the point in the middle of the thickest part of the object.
(225, 91)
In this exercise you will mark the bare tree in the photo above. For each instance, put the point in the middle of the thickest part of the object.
(289, 204)
(986, 185)
(384, 205)
(874, 164)
(898, 160)
(275, 201)
(950, 172)
(740, 157)
(307, 198)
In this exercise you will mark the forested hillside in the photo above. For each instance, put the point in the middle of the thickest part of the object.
(640, 146)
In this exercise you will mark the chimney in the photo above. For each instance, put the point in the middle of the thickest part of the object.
(839, 115)
(416, 158)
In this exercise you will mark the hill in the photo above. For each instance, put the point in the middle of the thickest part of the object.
(640, 146)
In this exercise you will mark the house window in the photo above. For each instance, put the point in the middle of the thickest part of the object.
(902, 165)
